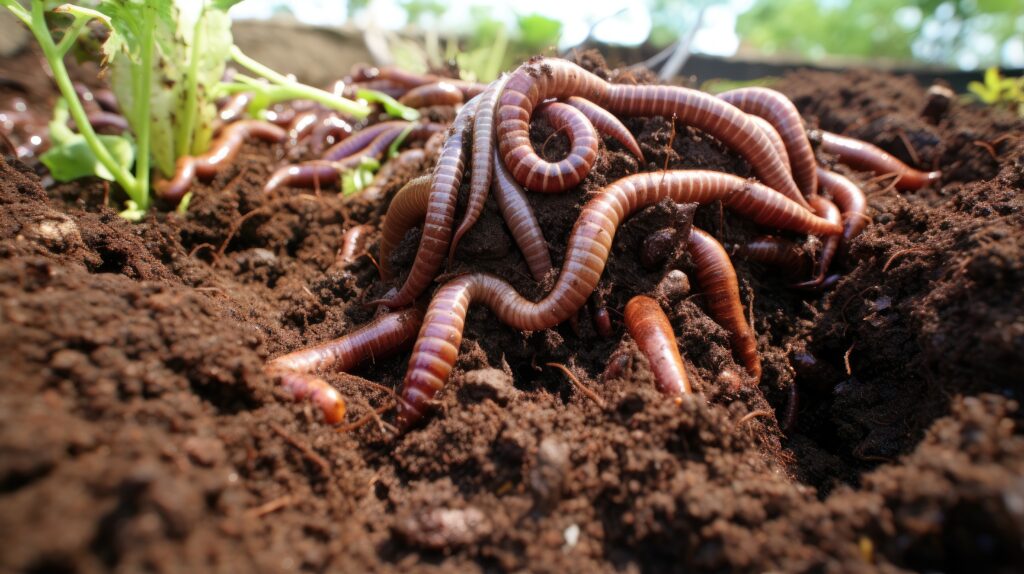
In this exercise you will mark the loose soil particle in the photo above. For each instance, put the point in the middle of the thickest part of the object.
(138, 431)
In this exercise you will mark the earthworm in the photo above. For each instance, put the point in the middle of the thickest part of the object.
(352, 243)
(101, 120)
(652, 331)
(361, 139)
(603, 321)
(380, 144)
(850, 200)
(437, 227)
(437, 94)
(717, 277)
(106, 100)
(306, 174)
(827, 210)
(775, 251)
(303, 125)
(607, 124)
(773, 135)
(413, 80)
(383, 86)
(780, 112)
(534, 82)
(589, 245)
(223, 151)
(329, 131)
(234, 107)
(862, 155)
(521, 220)
(377, 339)
(482, 161)
(407, 210)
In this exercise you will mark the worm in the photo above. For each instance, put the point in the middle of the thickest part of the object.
(521, 220)
(329, 131)
(234, 107)
(482, 161)
(537, 81)
(773, 135)
(652, 331)
(850, 200)
(717, 278)
(306, 174)
(303, 125)
(437, 227)
(603, 322)
(780, 112)
(361, 139)
(103, 120)
(776, 252)
(381, 143)
(862, 155)
(223, 151)
(408, 80)
(437, 94)
(827, 210)
(379, 338)
(352, 244)
(607, 124)
(437, 345)
(407, 210)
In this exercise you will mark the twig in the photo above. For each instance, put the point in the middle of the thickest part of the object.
(579, 385)
(307, 452)
(267, 508)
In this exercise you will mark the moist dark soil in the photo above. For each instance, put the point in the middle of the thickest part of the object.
(138, 430)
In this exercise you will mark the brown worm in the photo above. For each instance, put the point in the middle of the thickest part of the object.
(827, 210)
(521, 220)
(361, 139)
(780, 112)
(408, 80)
(589, 245)
(102, 121)
(437, 227)
(481, 162)
(329, 131)
(303, 125)
(603, 322)
(777, 252)
(376, 148)
(379, 338)
(222, 152)
(652, 331)
(864, 156)
(850, 200)
(437, 94)
(607, 124)
(306, 174)
(537, 81)
(407, 210)
(353, 244)
(233, 108)
(773, 135)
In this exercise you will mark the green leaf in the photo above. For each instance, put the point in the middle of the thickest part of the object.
(224, 5)
(72, 159)
(356, 179)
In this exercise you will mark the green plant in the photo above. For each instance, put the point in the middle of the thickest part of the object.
(997, 90)
(166, 59)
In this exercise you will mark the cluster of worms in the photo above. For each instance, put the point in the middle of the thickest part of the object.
(490, 137)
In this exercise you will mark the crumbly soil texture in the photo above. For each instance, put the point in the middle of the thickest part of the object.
(139, 432)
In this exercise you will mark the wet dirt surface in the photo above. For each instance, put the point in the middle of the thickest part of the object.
(138, 431)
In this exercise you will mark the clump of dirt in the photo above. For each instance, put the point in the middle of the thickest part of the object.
(139, 432)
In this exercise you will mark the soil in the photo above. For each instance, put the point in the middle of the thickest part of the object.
(139, 432)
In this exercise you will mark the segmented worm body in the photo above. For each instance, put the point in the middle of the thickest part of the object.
(306, 174)
(437, 94)
(407, 210)
(223, 152)
(652, 331)
(536, 82)
(353, 243)
(777, 252)
(521, 220)
(437, 227)
(607, 124)
(603, 322)
(589, 245)
(361, 139)
(862, 155)
(827, 210)
(233, 108)
(773, 135)
(850, 200)
(329, 131)
(379, 338)
(780, 112)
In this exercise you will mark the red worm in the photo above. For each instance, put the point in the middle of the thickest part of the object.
(223, 152)
(306, 174)
(234, 107)
(361, 139)
(776, 252)
(773, 135)
(437, 228)
(850, 200)
(329, 131)
(589, 245)
(652, 331)
(438, 94)
(717, 277)
(521, 220)
(830, 244)
(535, 82)
(103, 120)
(862, 155)
(353, 244)
(407, 210)
(379, 338)
(481, 161)
(303, 125)
(607, 124)
(603, 322)
(413, 80)
(780, 112)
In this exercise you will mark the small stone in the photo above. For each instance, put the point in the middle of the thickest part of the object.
(442, 528)
(674, 285)
(204, 451)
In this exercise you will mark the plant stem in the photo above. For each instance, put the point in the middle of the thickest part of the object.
(141, 195)
(186, 131)
(37, 24)
(298, 90)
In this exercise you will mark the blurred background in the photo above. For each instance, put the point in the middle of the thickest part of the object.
(734, 39)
